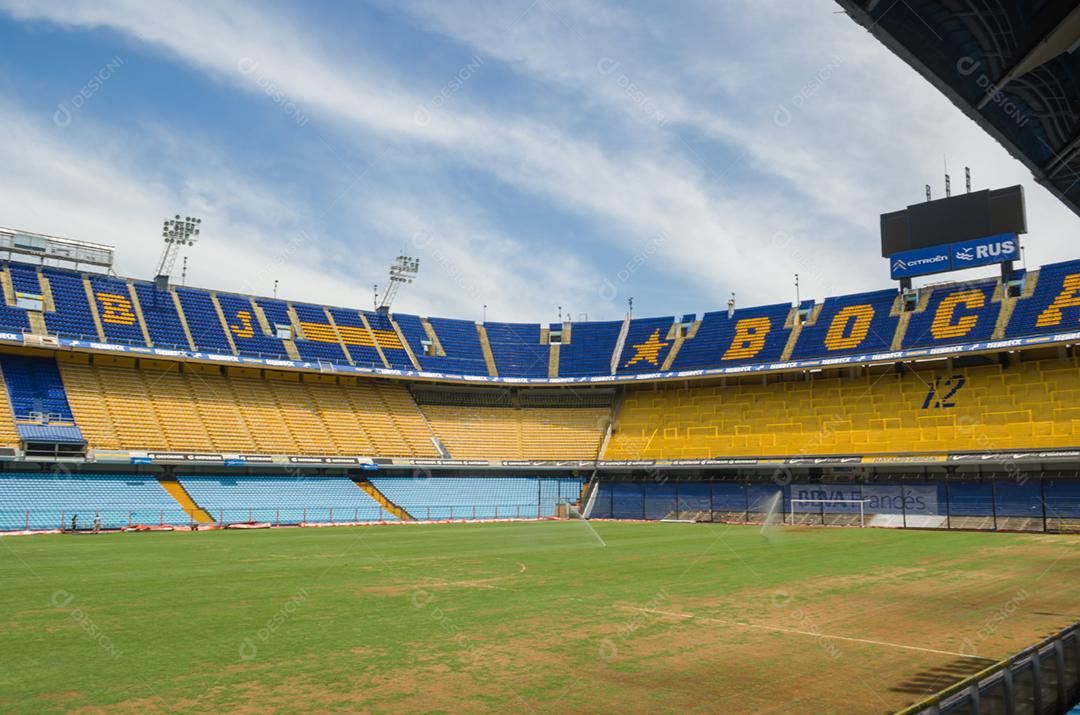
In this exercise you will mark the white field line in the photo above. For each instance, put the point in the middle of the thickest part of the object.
(809, 633)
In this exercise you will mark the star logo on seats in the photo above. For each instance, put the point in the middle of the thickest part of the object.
(648, 351)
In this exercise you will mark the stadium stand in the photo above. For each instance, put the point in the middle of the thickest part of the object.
(356, 337)
(246, 330)
(849, 324)
(49, 501)
(478, 497)
(961, 313)
(320, 339)
(164, 408)
(162, 321)
(115, 310)
(514, 433)
(517, 349)
(1031, 405)
(751, 335)
(203, 321)
(72, 317)
(1053, 307)
(589, 350)
(462, 345)
(280, 500)
(24, 278)
(387, 339)
(35, 389)
(646, 345)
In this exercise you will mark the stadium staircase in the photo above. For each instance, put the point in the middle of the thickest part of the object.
(378, 496)
(221, 318)
(95, 316)
(9, 289)
(619, 344)
(176, 491)
(485, 345)
(136, 307)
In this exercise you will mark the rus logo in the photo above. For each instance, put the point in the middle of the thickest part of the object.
(989, 250)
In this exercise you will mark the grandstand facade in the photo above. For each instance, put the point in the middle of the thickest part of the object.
(198, 402)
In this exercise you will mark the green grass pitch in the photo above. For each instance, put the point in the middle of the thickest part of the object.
(533, 617)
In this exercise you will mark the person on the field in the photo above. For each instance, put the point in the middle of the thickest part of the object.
(74, 522)
(97, 523)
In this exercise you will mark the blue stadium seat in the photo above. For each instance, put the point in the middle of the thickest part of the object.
(389, 340)
(203, 321)
(247, 332)
(850, 324)
(646, 345)
(752, 335)
(464, 355)
(285, 500)
(1054, 306)
(24, 278)
(356, 337)
(162, 320)
(34, 385)
(589, 351)
(72, 317)
(116, 310)
(321, 341)
(960, 313)
(478, 497)
(14, 319)
(44, 501)
(517, 349)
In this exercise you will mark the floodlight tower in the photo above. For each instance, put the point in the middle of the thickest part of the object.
(177, 233)
(402, 270)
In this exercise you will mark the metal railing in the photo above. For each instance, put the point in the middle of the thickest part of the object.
(1044, 678)
(84, 519)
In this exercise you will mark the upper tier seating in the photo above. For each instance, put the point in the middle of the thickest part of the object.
(43, 500)
(751, 335)
(24, 278)
(246, 330)
(517, 349)
(388, 340)
(115, 309)
(950, 314)
(589, 350)
(1053, 307)
(1031, 405)
(964, 313)
(162, 320)
(357, 338)
(478, 497)
(203, 321)
(849, 324)
(283, 500)
(34, 386)
(72, 317)
(646, 345)
(477, 432)
(321, 341)
(165, 409)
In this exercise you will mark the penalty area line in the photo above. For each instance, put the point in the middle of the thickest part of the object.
(812, 634)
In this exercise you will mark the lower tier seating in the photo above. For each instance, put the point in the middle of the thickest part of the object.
(45, 501)
(1033, 405)
(165, 408)
(284, 500)
(478, 497)
(475, 432)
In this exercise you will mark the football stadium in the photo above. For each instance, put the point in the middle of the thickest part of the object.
(869, 502)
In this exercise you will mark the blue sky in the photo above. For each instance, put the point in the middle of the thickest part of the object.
(532, 153)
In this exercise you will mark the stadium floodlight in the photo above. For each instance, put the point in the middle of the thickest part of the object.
(402, 270)
(177, 233)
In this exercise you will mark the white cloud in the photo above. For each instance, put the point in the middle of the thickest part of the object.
(657, 129)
